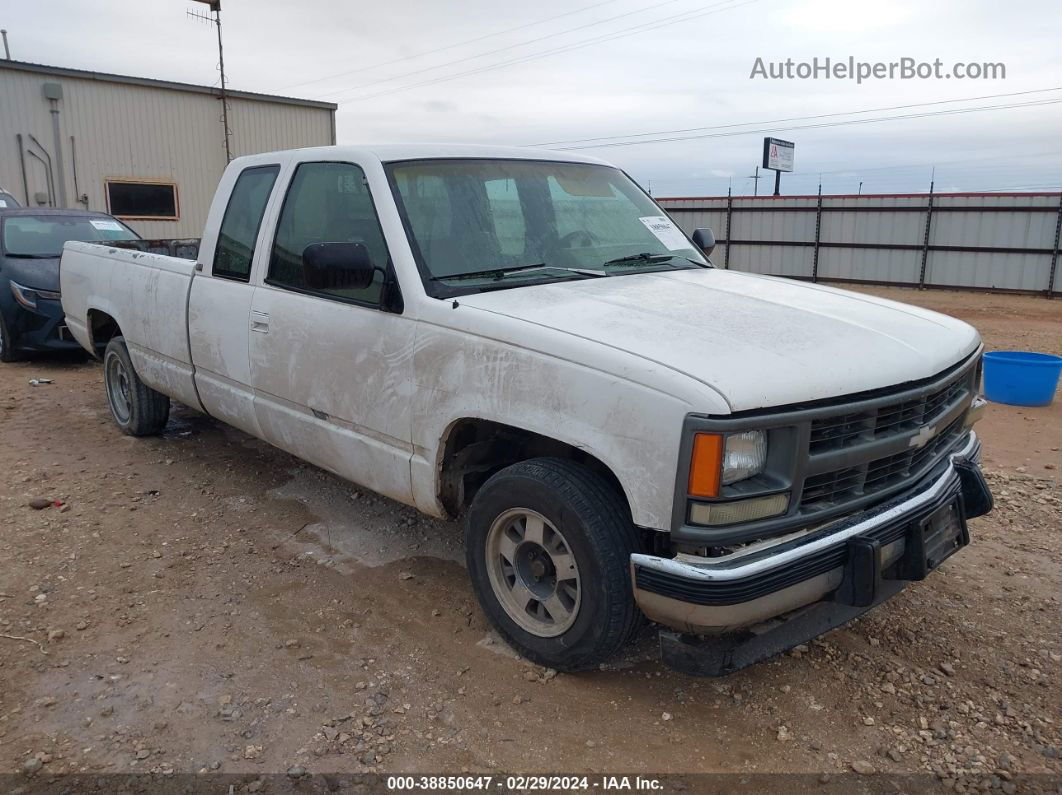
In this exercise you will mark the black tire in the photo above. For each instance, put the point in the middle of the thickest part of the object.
(137, 408)
(7, 344)
(595, 526)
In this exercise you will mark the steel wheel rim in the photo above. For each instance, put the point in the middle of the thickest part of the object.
(119, 389)
(533, 572)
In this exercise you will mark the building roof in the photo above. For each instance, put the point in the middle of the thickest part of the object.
(150, 82)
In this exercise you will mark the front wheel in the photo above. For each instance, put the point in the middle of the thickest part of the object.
(137, 408)
(548, 544)
(7, 344)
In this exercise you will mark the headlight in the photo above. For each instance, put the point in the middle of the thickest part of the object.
(27, 296)
(719, 460)
(745, 455)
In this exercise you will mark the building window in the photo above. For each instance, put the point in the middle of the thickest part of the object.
(155, 201)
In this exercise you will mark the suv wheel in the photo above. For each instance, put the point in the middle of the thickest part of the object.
(7, 350)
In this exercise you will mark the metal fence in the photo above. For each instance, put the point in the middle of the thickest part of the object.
(986, 241)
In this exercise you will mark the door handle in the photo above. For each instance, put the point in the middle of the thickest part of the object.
(259, 322)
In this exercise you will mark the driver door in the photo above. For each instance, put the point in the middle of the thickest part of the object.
(331, 369)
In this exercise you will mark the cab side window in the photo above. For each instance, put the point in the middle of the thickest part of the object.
(327, 203)
(243, 218)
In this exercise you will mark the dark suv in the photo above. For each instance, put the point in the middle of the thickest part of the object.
(31, 241)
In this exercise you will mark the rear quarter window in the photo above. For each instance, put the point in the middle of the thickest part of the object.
(242, 221)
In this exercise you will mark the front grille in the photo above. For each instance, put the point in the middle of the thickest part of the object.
(829, 488)
(844, 433)
(838, 431)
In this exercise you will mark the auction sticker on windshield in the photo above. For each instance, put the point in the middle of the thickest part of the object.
(666, 232)
(106, 226)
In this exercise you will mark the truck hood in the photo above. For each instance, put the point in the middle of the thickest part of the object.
(42, 274)
(758, 341)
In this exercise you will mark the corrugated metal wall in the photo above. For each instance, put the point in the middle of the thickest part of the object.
(145, 133)
(1007, 241)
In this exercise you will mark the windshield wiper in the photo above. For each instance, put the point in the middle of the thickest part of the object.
(644, 256)
(648, 257)
(13, 255)
(499, 273)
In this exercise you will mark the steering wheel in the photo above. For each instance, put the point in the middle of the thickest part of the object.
(588, 239)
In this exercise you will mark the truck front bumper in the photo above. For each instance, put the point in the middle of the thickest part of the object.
(771, 596)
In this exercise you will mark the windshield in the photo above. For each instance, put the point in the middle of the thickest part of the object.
(42, 236)
(493, 224)
(8, 201)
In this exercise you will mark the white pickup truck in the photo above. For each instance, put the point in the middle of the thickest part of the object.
(524, 337)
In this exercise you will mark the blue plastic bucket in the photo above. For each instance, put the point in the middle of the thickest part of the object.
(1020, 378)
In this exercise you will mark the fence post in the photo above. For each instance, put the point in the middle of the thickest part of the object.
(1054, 253)
(730, 210)
(818, 228)
(925, 239)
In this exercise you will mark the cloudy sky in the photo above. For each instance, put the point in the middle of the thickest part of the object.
(671, 75)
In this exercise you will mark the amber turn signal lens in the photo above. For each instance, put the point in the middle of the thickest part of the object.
(706, 465)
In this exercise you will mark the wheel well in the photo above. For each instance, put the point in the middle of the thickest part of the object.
(475, 449)
(102, 328)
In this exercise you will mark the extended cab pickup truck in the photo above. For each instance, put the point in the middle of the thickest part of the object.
(524, 337)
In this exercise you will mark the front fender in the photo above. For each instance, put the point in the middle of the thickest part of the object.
(633, 429)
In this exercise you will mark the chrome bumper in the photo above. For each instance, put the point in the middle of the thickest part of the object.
(699, 595)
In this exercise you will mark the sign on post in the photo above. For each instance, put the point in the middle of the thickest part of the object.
(778, 157)
(778, 154)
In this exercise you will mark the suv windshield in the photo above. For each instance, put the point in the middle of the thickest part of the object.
(42, 236)
(491, 224)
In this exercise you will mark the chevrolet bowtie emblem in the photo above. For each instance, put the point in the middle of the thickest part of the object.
(921, 439)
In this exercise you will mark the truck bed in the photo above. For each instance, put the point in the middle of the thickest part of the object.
(146, 295)
(181, 247)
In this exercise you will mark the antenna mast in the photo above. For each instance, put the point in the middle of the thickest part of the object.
(215, 6)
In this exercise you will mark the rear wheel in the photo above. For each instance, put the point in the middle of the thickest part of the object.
(7, 344)
(548, 544)
(137, 408)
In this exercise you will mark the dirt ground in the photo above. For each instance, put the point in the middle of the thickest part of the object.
(203, 602)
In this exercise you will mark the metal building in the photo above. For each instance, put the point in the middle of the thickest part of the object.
(147, 151)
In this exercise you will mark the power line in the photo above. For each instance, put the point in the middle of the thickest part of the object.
(853, 172)
(959, 186)
(683, 17)
(800, 118)
(509, 47)
(1034, 186)
(1019, 179)
(651, 25)
(928, 114)
(448, 46)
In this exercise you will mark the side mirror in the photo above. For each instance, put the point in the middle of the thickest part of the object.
(337, 266)
(704, 240)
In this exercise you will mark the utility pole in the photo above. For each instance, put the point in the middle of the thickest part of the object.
(215, 6)
(860, 192)
(755, 182)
